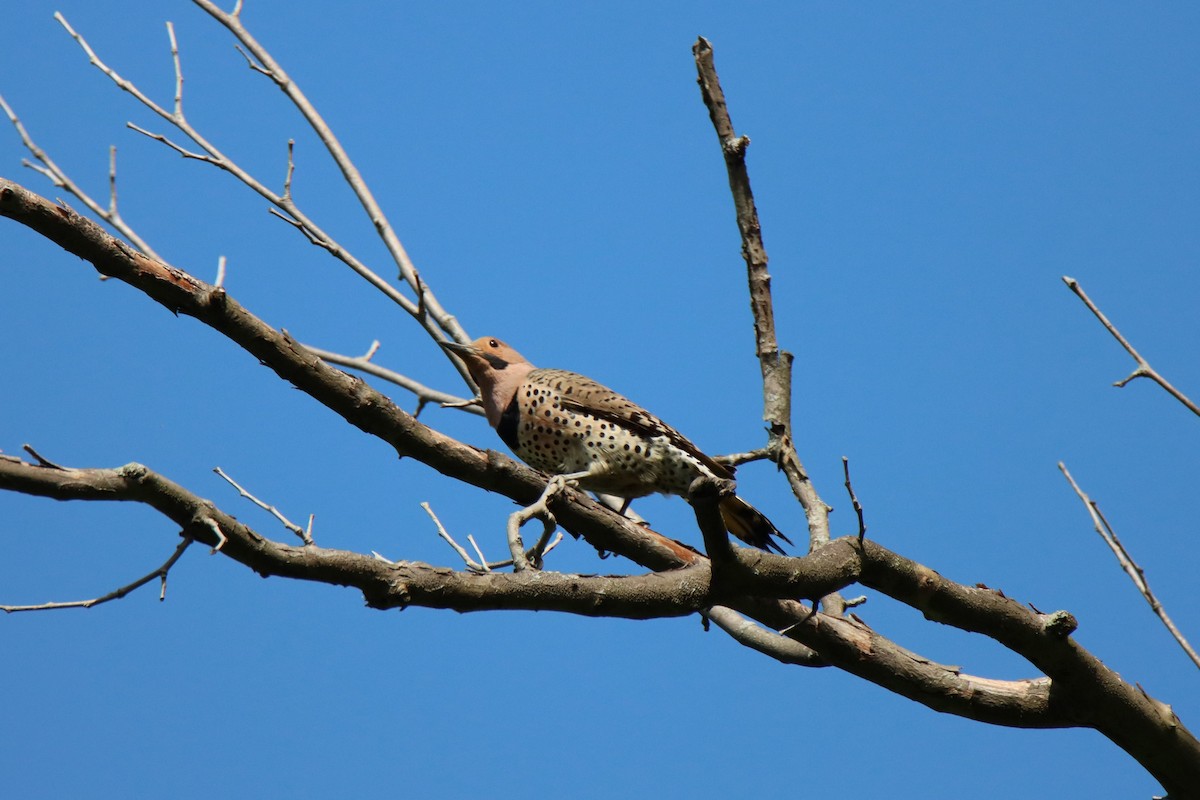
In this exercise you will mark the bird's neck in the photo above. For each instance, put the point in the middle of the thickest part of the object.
(499, 387)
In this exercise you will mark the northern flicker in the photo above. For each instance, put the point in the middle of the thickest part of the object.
(567, 425)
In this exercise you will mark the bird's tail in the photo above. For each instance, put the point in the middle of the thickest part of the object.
(750, 525)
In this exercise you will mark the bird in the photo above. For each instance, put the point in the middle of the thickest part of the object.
(573, 428)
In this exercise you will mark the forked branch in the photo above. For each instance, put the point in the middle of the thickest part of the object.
(776, 364)
(116, 594)
(1143, 368)
(436, 321)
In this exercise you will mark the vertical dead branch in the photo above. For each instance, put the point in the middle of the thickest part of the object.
(776, 364)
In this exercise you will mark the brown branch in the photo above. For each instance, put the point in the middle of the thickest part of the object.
(776, 365)
(356, 402)
(858, 509)
(1080, 690)
(1083, 687)
(1131, 568)
(384, 585)
(1143, 370)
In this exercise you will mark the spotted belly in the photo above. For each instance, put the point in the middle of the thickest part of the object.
(559, 441)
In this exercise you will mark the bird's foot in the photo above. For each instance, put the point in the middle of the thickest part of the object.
(532, 558)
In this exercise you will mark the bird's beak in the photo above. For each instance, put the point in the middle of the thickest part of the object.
(460, 349)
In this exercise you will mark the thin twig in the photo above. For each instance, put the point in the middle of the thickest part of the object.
(220, 534)
(424, 393)
(313, 239)
(291, 169)
(478, 552)
(1143, 370)
(482, 565)
(178, 148)
(220, 282)
(250, 62)
(178, 70)
(737, 459)
(1135, 573)
(115, 594)
(858, 509)
(271, 68)
(212, 155)
(305, 536)
(42, 461)
(61, 180)
(448, 539)
(112, 179)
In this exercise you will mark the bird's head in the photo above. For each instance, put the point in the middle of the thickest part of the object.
(485, 355)
(495, 367)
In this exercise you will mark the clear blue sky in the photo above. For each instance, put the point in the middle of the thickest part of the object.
(925, 175)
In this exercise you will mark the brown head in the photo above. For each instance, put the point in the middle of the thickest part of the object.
(496, 368)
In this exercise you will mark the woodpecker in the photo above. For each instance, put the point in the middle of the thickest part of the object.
(567, 425)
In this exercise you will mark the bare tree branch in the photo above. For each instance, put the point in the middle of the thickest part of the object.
(1143, 370)
(776, 364)
(354, 178)
(60, 179)
(304, 535)
(424, 393)
(384, 585)
(858, 509)
(1076, 690)
(768, 642)
(115, 594)
(358, 403)
(1135, 573)
(482, 565)
(285, 203)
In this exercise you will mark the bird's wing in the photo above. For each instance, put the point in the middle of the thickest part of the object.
(585, 396)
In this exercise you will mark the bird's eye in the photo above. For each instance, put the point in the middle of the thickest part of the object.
(493, 343)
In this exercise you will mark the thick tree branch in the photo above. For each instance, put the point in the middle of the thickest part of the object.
(676, 592)
(1079, 690)
(359, 404)
(383, 584)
